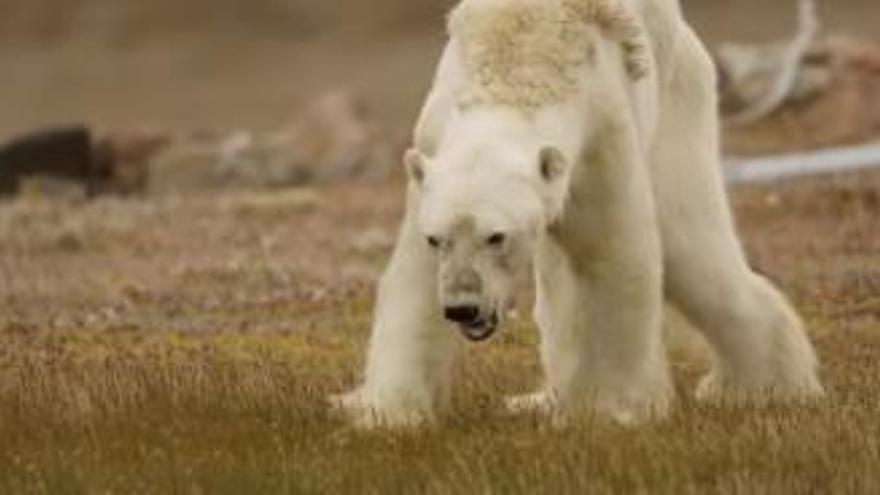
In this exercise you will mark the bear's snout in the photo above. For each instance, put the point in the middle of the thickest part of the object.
(463, 315)
(475, 326)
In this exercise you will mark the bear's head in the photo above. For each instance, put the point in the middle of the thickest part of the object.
(481, 211)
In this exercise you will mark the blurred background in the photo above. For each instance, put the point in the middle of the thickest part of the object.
(227, 63)
(160, 99)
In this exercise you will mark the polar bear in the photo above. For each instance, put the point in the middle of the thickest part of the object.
(581, 138)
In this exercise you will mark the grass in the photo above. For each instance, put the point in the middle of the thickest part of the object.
(139, 357)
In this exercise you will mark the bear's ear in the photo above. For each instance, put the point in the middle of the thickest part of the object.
(552, 164)
(415, 165)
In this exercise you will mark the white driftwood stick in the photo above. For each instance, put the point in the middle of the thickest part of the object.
(773, 168)
(808, 30)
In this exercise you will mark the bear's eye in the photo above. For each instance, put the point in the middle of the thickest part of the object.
(497, 239)
(434, 241)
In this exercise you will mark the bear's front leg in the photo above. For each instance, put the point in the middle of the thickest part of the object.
(411, 350)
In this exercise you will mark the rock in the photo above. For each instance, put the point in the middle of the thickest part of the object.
(128, 157)
(187, 165)
(333, 141)
(59, 152)
(72, 161)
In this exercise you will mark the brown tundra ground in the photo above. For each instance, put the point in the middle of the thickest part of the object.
(186, 345)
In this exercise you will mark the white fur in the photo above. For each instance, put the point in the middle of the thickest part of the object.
(640, 213)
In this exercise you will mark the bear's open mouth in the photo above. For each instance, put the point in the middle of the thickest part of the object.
(481, 329)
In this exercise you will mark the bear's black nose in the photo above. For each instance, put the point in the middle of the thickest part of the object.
(462, 314)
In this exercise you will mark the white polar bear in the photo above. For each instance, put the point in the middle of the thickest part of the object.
(581, 136)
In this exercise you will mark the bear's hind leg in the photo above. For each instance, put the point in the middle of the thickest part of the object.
(761, 350)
